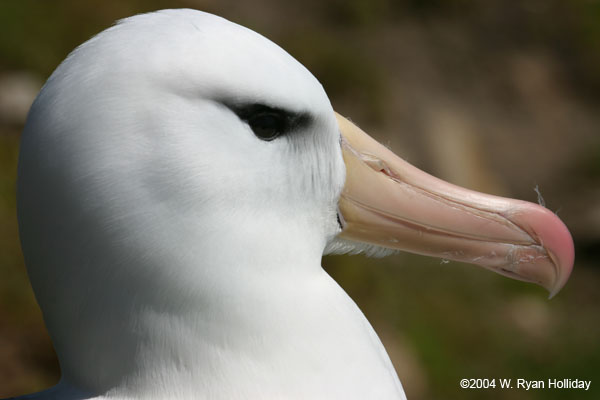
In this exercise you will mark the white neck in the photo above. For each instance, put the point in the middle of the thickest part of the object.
(266, 327)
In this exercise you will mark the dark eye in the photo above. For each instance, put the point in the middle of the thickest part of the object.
(267, 126)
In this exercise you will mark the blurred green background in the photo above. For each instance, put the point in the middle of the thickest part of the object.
(494, 95)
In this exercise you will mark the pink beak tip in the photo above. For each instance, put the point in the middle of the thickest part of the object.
(556, 239)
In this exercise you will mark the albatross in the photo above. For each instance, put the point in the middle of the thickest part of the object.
(179, 180)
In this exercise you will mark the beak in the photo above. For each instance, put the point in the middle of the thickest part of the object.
(388, 202)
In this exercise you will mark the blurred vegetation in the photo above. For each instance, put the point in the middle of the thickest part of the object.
(508, 72)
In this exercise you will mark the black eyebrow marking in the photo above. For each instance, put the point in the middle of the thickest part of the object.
(293, 120)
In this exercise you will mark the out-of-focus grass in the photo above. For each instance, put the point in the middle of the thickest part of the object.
(9, 247)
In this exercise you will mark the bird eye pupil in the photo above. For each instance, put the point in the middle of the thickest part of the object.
(267, 126)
